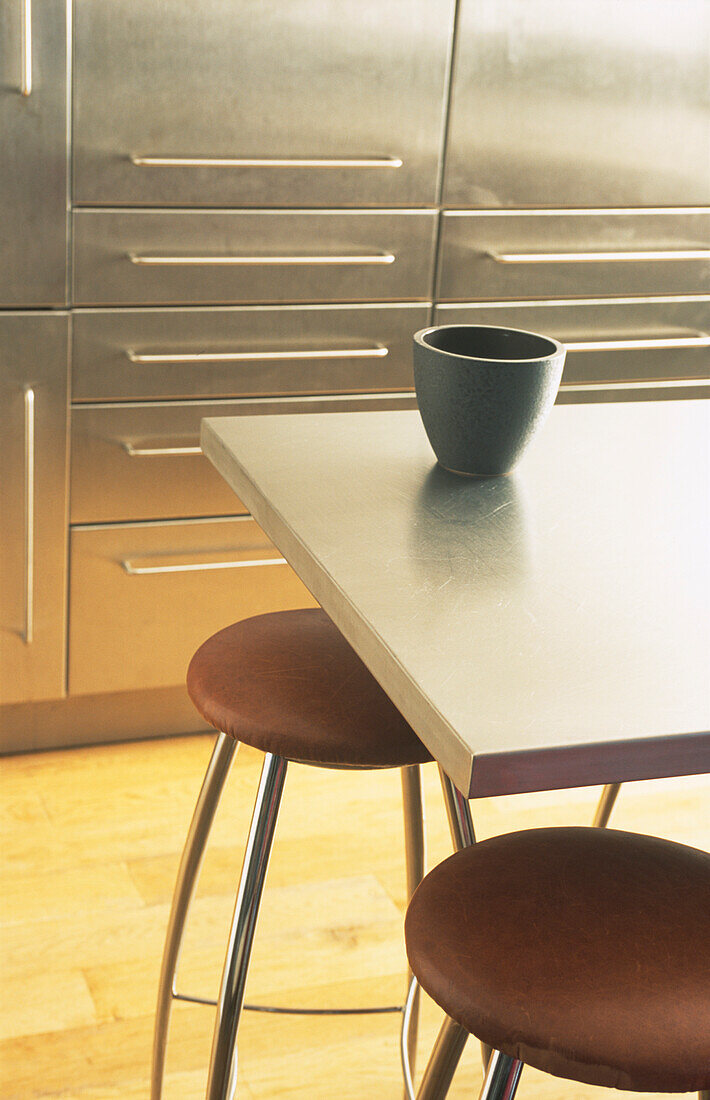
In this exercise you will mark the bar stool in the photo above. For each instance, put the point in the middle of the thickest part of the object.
(290, 685)
(582, 952)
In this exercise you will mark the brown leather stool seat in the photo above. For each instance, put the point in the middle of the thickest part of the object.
(583, 952)
(288, 683)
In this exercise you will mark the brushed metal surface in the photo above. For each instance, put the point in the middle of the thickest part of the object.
(580, 104)
(104, 242)
(130, 632)
(310, 103)
(542, 630)
(470, 242)
(33, 162)
(651, 371)
(109, 484)
(33, 505)
(243, 350)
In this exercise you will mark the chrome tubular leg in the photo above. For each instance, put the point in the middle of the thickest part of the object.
(188, 873)
(458, 812)
(502, 1077)
(463, 834)
(222, 1081)
(415, 848)
(444, 1059)
(606, 805)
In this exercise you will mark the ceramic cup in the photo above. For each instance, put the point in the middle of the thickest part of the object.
(483, 392)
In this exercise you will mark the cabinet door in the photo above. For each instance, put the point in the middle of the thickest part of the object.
(259, 102)
(33, 505)
(580, 104)
(33, 153)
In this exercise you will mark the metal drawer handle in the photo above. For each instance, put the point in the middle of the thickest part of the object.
(643, 384)
(377, 351)
(26, 48)
(700, 340)
(197, 567)
(158, 452)
(265, 162)
(29, 513)
(598, 257)
(251, 261)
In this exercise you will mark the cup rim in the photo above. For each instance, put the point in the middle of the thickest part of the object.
(557, 349)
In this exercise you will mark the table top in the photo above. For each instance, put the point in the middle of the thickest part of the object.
(542, 630)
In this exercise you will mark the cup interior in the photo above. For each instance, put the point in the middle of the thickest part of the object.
(487, 342)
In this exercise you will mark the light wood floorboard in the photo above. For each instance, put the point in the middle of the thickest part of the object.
(90, 844)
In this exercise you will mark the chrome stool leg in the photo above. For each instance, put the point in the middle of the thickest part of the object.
(444, 1059)
(502, 1077)
(463, 835)
(222, 1081)
(606, 805)
(188, 873)
(415, 849)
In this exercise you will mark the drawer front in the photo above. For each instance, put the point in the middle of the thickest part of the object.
(143, 597)
(581, 255)
(580, 104)
(223, 103)
(644, 348)
(249, 351)
(165, 258)
(143, 462)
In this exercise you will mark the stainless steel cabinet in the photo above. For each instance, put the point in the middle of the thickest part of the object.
(260, 102)
(580, 104)
(243, 351)
(633, 347)
(144, 596)
(33, 505)
(582, 254)
(162, 257)
(33, 153)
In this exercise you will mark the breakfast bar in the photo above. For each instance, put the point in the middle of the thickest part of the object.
(543, 630)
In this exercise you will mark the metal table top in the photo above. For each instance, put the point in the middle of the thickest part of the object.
(539, 631)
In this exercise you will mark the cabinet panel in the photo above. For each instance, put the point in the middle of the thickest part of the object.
(145, 596)
(260, 103)
(33, 505)
(161, 257)
(650, 348)
(143, 461)
(577, 104)
(33, 159)
(249, 351)
(546, 254)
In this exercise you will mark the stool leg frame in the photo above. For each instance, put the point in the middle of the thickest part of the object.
(606, 805)
(188, 873)
(444, 1059)
(415, 850)
(502, 1077)
(222, 1080)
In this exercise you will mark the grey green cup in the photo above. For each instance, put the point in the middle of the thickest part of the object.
(483, 392)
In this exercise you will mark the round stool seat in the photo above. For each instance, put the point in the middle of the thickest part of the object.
(288, 683)
(583, 952)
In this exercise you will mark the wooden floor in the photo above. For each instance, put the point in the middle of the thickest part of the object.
(91, 840)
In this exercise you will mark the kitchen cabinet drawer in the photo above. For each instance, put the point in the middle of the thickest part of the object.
(580, 105)
(143, 461)
(584, 254)
(162, 257)
(144, 596)
(305, 103)
(644, 347)
(243, 351)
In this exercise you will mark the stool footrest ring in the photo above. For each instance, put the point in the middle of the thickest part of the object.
(286, 1011)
